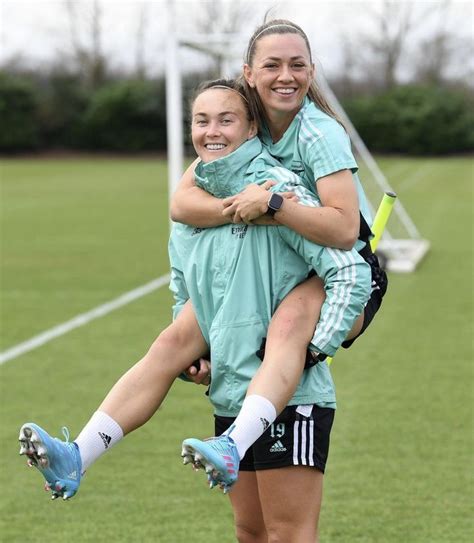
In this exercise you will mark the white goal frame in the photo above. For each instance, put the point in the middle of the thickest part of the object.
(402, 254)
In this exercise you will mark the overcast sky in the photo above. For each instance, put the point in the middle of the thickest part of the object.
(37, 31)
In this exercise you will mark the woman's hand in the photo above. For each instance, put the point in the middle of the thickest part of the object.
(336, 223)
(252, 204)
(249, 204)
(201, 375)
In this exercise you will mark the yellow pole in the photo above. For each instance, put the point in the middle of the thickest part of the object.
(379, 224)
(381, 218)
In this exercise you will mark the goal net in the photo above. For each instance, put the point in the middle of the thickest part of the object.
(401, 246)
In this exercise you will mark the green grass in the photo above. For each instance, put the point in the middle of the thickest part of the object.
(77, 233)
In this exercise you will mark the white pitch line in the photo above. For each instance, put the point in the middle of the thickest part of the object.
(83, 318)
(420, 173)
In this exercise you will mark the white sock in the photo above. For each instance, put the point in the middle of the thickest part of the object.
(99, 435)
(255, 417)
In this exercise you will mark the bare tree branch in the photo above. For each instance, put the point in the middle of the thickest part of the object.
(383, 48)
(219, 16)
(89, 56)
(142, 27)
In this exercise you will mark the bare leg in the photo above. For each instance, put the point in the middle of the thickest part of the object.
(290, 332)
(138, 393)
(291, 502)
(248, 517)
(130, 403)
(357, 327)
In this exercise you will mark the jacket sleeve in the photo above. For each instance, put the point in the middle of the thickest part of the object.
(177, 282)
(177, 285)
(289, 181)
(347, 282)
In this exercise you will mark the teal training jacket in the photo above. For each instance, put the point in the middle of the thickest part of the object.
(237, 275)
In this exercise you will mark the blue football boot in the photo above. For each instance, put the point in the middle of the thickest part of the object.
(58, 461)
(218, 456)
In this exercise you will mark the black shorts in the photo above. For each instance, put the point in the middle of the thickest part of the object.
(379, 288)
(292, 440)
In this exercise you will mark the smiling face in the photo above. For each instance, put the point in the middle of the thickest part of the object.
(220, 123)
(281, 71)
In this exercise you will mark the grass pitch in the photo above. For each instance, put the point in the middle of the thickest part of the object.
(77, 233)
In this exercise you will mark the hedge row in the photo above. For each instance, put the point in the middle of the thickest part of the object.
(130, 116)
(415, 120)
(120, 116)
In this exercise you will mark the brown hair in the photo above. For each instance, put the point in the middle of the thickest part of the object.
(231, 84)
(279, 26)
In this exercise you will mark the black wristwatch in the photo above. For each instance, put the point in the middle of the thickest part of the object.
(274, 204)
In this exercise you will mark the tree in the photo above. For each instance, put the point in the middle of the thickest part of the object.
(142, 26)
(404, 41)
(445, 54)
(18, 114)
(87, 44)
(393, 25)
(221, 18)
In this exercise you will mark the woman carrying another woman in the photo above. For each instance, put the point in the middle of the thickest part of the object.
(235, 277)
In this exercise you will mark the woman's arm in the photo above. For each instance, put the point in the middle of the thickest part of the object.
(335, 224)
(194, 206)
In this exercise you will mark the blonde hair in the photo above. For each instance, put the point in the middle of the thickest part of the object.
(279, 26)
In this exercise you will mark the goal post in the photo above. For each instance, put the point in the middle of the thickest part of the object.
(174, 102)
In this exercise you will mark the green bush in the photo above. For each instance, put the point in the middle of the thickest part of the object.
(18, 114)
(56, 110)
(126, 116)
(415, 120)
(63, 101)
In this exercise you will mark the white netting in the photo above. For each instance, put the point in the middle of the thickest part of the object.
(401, 244)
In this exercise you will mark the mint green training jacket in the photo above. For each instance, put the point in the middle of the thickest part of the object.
(237, 275)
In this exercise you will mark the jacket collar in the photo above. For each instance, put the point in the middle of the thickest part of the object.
(226, 176)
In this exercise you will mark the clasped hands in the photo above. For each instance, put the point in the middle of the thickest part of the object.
(251, 205)
(200, 372)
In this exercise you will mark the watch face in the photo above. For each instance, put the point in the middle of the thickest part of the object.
(275, 202)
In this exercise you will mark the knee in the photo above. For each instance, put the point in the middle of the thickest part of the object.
(298, 313)
(168, 343)
(250, 534)
(278, 537)
(293, 323)
(253, 532)
(171, 337)
(174, 336)
(282, 533)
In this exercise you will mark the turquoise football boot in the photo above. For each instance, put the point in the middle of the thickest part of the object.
(58, 461)
(218, 456)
